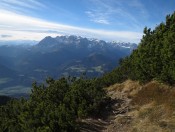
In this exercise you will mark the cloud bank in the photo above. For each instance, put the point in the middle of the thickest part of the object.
(30, 28)
(15, 24)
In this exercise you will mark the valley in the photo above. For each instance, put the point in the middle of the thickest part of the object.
(23, 64)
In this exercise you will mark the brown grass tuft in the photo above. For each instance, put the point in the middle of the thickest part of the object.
(152, 107)
(155, 92)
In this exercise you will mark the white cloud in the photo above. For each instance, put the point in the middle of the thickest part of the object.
(97, 17)
(118, 13)
(23, 3)
(29, 28)
(5, 36)
(102, 21)
(22, 6)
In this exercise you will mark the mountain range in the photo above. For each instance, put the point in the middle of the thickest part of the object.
(21, 64)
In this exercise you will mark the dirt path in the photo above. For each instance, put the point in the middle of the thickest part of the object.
(119, 111)
(118, 118)
(150, 109)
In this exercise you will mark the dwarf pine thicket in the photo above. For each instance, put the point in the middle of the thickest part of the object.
(153, 59)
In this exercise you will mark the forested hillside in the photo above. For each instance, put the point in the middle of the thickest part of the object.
(153, 59)
(4, 100)
(60, 104)
(54, 107)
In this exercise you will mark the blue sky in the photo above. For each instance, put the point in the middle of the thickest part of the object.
(110, 20)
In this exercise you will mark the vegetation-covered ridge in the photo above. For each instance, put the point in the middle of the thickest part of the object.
(56, 106)
(60, 104)
(153, 59)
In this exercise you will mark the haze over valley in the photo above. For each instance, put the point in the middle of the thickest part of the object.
(23, 64)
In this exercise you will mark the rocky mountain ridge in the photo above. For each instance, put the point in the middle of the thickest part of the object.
(56, 57)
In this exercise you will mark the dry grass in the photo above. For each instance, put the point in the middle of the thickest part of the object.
(151, 108)
(156, 104)
(155, 92)
(153, 103)
(128, 88)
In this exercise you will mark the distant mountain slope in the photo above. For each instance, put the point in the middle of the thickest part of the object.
(59, 56)
(5, 71)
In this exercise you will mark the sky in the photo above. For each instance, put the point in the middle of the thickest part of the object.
(110, 20)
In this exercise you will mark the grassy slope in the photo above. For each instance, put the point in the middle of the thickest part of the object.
(151, 107)
(138, 108)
